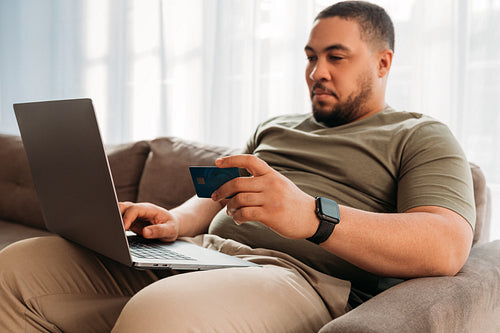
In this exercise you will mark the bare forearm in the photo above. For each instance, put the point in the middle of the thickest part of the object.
(195, 215)
(426, 242)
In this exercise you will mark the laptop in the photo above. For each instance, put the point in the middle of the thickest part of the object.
(77, 196)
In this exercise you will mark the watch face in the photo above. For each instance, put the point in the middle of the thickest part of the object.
(329, 208)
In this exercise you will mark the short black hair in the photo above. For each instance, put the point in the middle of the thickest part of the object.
(375, 24)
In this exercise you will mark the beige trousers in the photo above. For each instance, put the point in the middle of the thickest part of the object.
(48, 284)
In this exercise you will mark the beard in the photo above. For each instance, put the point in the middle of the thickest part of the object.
(343, 112)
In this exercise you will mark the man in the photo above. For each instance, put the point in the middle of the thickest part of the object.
(400, 181)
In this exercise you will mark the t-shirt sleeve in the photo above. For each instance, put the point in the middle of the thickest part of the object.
(252, 142)
(435, 172)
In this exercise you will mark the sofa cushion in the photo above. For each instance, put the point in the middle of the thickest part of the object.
(166, 180)
(18, 198)
(127, 163)
(13, 232)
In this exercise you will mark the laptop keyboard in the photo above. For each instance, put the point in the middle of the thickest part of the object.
(142, 248)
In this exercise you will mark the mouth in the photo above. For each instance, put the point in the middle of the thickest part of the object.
(321, 92)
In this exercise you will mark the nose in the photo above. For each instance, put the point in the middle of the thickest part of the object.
(320, 72)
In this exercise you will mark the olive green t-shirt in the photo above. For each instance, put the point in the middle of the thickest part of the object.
(389, 162)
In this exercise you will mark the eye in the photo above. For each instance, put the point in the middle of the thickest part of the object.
(335, 58)
(311, 58)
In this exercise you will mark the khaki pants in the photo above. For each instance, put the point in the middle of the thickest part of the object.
(48, 284)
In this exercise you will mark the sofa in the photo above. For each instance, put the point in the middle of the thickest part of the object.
(156, 171)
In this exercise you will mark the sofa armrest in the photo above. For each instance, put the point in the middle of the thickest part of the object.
(467, 302)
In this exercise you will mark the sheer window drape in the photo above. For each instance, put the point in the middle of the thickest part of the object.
(211, 70)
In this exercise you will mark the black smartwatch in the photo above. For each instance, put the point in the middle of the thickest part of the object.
(328, 214)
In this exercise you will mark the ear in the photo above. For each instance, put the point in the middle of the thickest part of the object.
(384, 62)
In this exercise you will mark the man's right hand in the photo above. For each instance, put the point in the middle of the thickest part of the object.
(150, 221)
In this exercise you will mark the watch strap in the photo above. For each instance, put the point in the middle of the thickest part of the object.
(327, 221)
(324, 231)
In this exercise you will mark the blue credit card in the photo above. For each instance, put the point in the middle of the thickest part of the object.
(208, 179)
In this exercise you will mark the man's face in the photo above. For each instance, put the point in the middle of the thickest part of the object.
(340, 73)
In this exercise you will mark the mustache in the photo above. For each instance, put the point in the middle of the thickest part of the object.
(320, 86)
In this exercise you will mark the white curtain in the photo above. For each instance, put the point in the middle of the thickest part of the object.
(211, 70)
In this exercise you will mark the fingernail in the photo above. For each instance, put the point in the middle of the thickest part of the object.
(215, 197)
(147, 233)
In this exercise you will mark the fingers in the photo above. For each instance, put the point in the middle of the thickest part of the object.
(245, 207)
(124, 205)
(138, 225)
(246, 214)
(166, 232)
(149, 220)
(253, 164)
(257, 167)
(243, 200)
(129, 213)
(237, 185)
